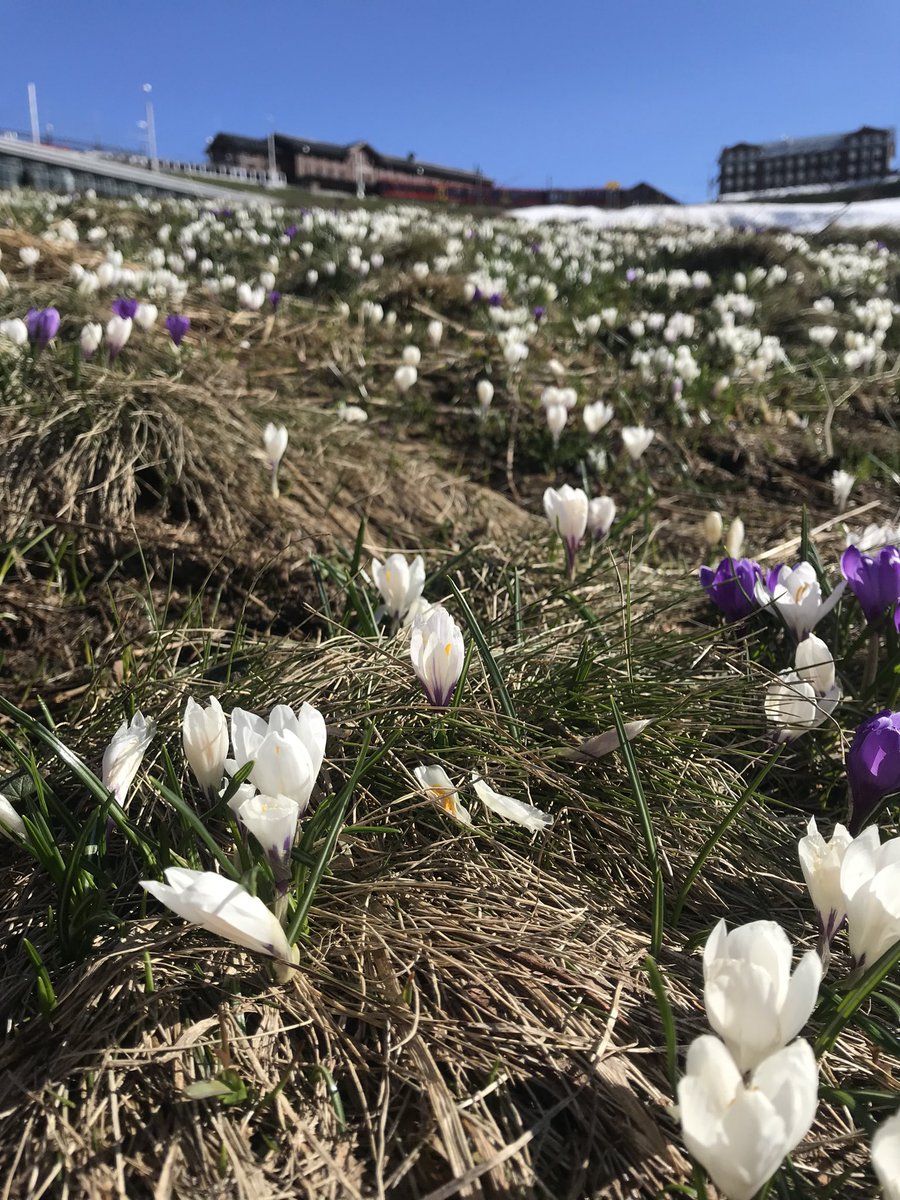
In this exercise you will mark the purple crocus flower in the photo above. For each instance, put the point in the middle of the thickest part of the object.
(496, 300)
(873, 766)
(125, 308)
(875, 582)
(539, 312)
(291, 232)
(275, 300)
(477, 295)
(177, 327)
(631, 274)
(732, 586)
(42, 325)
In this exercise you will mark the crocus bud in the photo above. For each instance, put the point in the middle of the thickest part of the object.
(399, 582)
(567, 511)
(873, 766)
(740, 1132)
(177, 327)
(204, 734)
(411, 356)
(734, 539)
(886, 1156)
(125, 308)
(870, 883)
(91, 335)
(841, 484)
(118, 331)
(273, 822)
(601, 514)
(636, 439)
(10, 822)
(437, 651)
(821, 864)
(484, 390)
(124, 754)
(556, 415)
(875, 582)
(275, 440)
(29, 255)
(712, 528)
(435, 333)
(225, 909)
(732, 586)
(752, 1001)
(42, 325)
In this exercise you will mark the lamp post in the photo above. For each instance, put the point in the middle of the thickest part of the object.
(151, 129)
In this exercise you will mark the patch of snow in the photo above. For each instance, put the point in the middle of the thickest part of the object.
(800, 217)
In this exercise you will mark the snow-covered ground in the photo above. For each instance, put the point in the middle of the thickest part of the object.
(801, 217)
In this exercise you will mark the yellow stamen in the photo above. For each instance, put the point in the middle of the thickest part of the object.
(448, 648)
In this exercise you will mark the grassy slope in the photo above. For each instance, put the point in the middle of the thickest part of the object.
(471, 1005)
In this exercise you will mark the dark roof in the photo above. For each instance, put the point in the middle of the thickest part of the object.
(305, 146)
(237, 141)
(805, 145)
(412, 166)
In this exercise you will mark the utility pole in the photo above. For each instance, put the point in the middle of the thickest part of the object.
(273, 166)
(33, 113)
(151, 129)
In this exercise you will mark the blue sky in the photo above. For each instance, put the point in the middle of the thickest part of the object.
(576, 92)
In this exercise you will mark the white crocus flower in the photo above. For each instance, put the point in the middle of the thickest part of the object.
(10, 821)
(796, 594)
(752, 1001)
(273, 822)
(870, 884)
(14, 330)
(91, 336)
(118, 331)
(286, 750)
(741, 1132)
(411, 356)
(399, 582)
(225, 909)
(250, 298)
(123, 756)
(146, 316)
(275, 440)
(437, 652)
(842, 484)
(556, 417)
(511, 809)
(437, 786)
(484, 390)
(601, 514)
(405, 377)
(29, 255)
(204, 735)
(597, 415)
(886, 1156)
(799, 700)
(821, 864)
(636, 439)
(567, 510)
(435, 333)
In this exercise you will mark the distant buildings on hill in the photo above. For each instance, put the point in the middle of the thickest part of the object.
(359, 168)
(853, 163)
